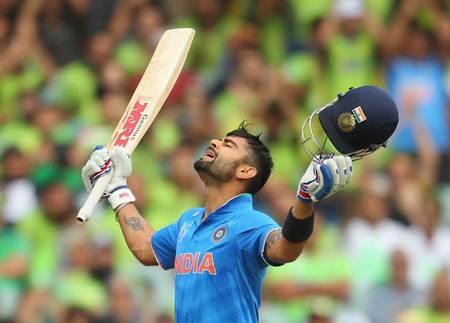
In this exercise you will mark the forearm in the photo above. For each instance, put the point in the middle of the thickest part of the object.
(137, 233)
(302, 210)
(278, 249)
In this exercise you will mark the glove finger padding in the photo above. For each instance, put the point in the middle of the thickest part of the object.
(91, 172)
(348, 169)
(97, 165)
(121, 161)
(324, 177)
(320, 188)
(335, 173)
(342, 167)
(86, 172)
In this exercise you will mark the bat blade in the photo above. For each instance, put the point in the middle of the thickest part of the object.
(147, 100)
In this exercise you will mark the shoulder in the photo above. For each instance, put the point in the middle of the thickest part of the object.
(190, 214)
(253, 219)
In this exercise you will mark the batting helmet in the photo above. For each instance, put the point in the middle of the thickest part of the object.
(357, 123)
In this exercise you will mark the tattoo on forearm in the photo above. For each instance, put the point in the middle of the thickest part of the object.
(273, 237)
(134, 222)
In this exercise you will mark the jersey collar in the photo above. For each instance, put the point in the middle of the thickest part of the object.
(239, 202)
(244, 200)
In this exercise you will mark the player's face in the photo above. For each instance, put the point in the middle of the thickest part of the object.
(222, 157)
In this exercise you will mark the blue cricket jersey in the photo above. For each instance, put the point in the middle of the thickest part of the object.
(218, 262)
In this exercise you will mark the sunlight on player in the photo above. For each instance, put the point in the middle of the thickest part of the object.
(220, 252)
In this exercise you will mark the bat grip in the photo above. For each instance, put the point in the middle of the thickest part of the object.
(94, 196)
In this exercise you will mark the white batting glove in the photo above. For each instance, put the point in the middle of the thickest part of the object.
(102, 162)
(324, 177)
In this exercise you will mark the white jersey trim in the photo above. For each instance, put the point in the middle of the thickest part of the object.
(264, 246)
(154, 252)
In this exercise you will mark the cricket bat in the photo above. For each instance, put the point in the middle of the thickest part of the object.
(147, 100)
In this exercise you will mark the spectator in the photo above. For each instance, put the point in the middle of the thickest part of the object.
(428, 243)
(396, 295)
(416, 81)
(438, 309)
(79, 284)
(13, 269)
(17, 186)
(44, 229)
(214, 28)
(123, 305)
(274, 21)
(370, 237)
(349, 36)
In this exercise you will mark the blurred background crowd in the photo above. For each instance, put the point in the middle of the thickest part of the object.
(381, 249)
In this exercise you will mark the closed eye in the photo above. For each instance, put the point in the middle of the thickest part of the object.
(229, 143)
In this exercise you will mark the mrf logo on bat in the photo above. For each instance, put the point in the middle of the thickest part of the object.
(132, 124)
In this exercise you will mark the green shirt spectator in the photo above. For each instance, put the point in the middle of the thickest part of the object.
(14, 84)
(74, 87)
(42, 235)
(21, 135)
(306, 12)
(132, 56)
(351, 61)
(273, 40)
(13, 247)
(230, 111)
(78, 288)
(303, 73)
(210, 43)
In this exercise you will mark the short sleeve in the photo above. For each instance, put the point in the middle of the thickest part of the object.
(164, 244)
(252, 242)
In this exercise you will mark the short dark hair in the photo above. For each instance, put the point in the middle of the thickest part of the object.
(259, 157)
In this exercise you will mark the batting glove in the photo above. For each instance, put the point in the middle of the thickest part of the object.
(102, 162)
(324, 177)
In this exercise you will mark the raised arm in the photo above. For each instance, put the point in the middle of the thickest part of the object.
(136, 231)
(279, 250)
(324, 177)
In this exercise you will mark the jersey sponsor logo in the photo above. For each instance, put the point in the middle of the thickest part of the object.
(189, 263)
(219, 234)
(132, 125)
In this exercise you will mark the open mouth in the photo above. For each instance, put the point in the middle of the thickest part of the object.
(209, 153)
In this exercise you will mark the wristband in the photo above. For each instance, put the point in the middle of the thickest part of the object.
(297, 230)
(120, 196)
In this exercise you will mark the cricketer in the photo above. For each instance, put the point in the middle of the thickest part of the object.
(220, 252)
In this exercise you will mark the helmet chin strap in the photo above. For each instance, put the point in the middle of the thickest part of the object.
(307, 138)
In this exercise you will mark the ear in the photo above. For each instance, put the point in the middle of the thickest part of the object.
(245, 171)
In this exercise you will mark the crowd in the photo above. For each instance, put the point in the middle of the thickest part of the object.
(380, 252)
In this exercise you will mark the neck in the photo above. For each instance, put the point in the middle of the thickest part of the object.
(216, 196)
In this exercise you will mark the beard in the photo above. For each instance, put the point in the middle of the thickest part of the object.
(216, 170)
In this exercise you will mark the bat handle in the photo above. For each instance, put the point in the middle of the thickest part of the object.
(94, 196)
